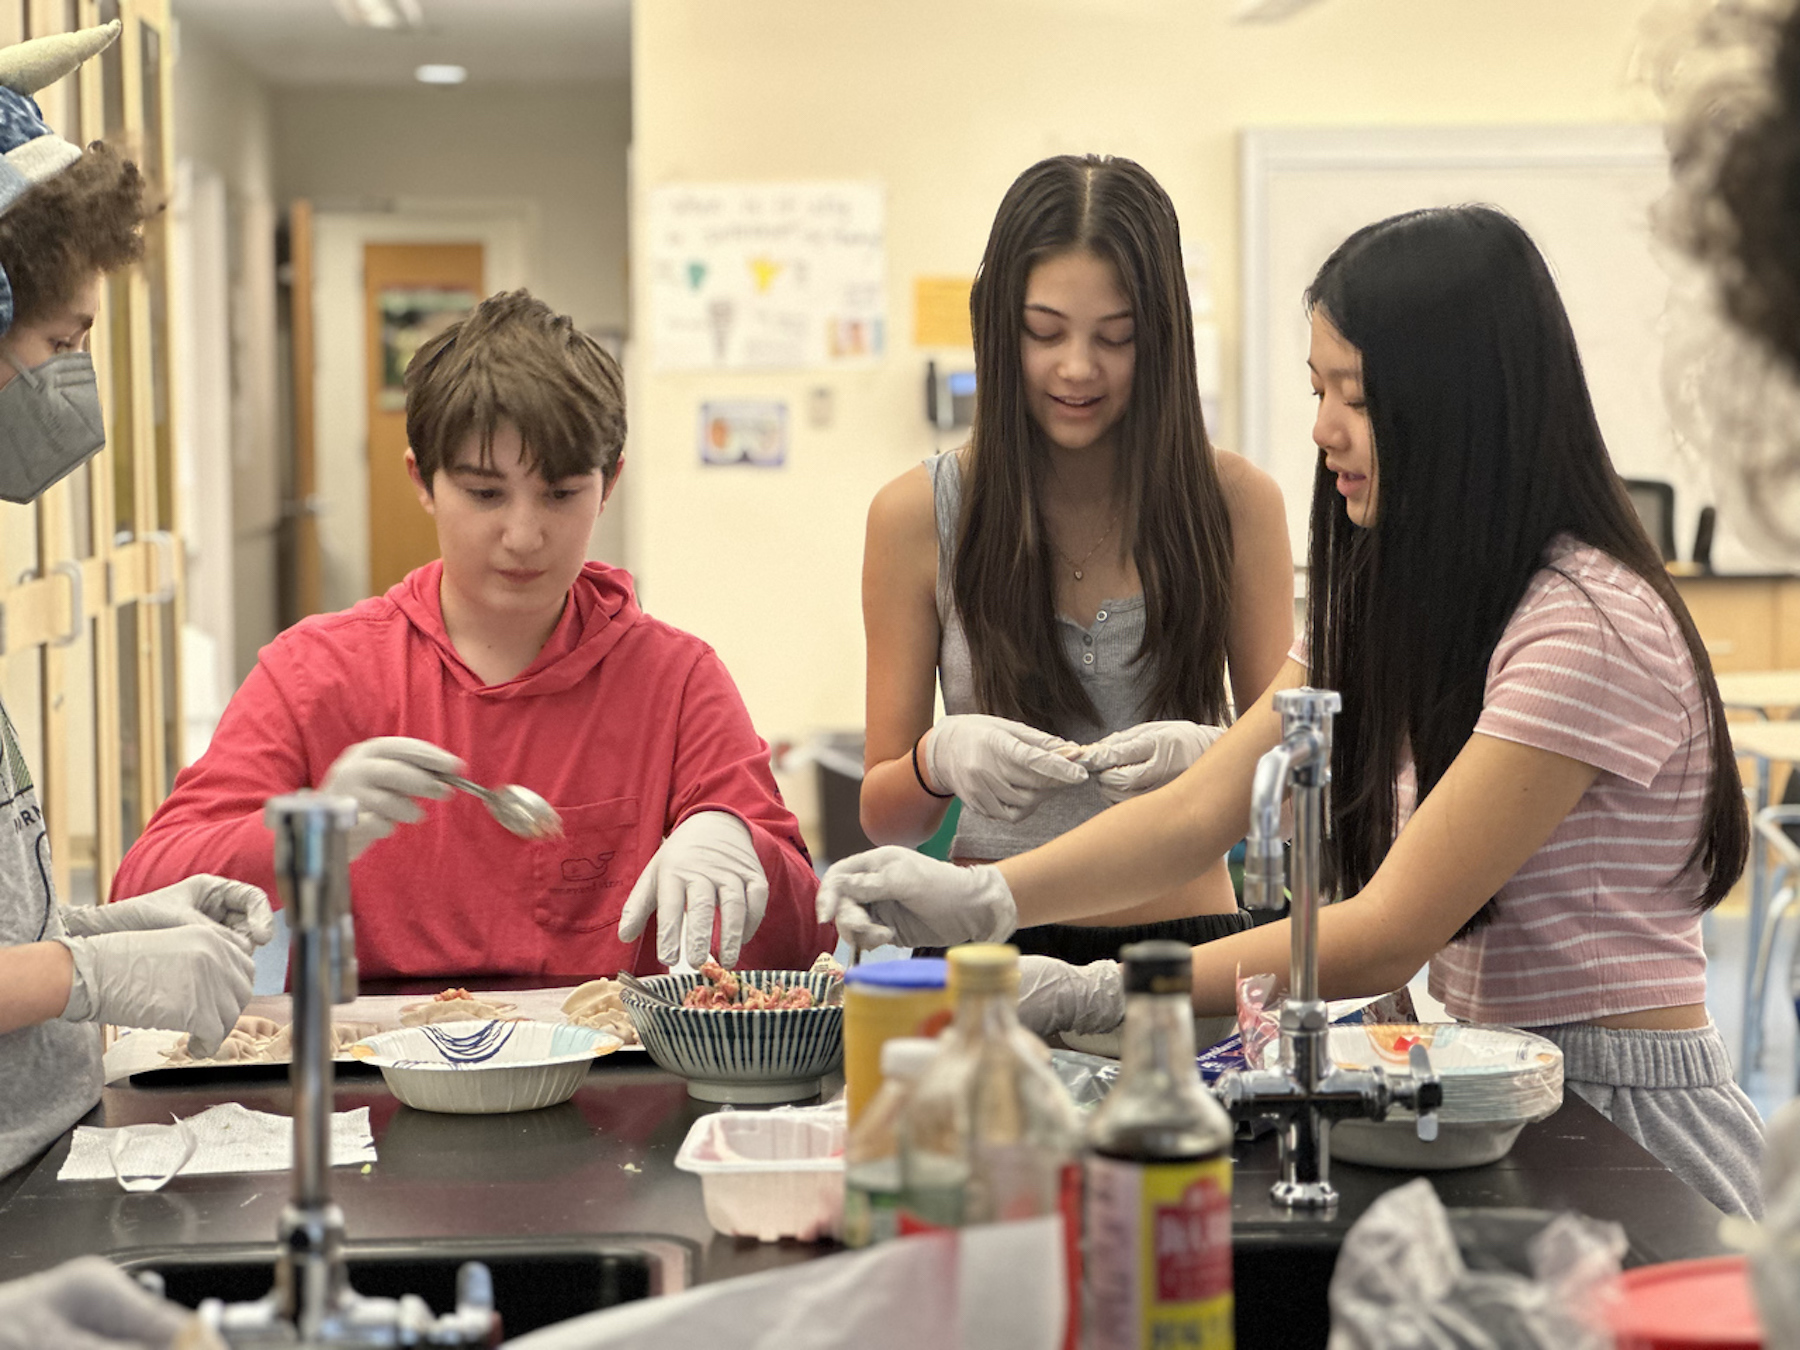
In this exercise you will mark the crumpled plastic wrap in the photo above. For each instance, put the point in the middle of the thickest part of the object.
(1086, 1078)
(1775, 1251)
(1401, 1284)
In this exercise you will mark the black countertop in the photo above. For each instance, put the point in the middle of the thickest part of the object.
(603, 1163)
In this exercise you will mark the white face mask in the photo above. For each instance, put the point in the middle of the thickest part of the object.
(50, 424)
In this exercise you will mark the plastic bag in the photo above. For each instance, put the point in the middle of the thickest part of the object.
(1401, 1283)
(1259, 1022)
(1775, 1252)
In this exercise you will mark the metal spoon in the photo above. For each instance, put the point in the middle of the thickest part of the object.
(517, 808)
(643, 990)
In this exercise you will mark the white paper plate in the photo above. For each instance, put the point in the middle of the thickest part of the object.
(485, 1067)
(1497, 1080)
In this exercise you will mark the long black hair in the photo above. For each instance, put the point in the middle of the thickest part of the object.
(1175, 519)
(1486, 449)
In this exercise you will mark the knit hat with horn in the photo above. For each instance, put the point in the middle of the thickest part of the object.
(31, 153)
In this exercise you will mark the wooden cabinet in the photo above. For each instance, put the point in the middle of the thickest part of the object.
(1747, 622)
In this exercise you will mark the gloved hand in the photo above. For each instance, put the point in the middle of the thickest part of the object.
(1056, 996)
(1146, 756)
(1001, 769)
(86, 1304)
(384, 775)
(707, 865)
(239, 906)
(895, 894)
(194, 978)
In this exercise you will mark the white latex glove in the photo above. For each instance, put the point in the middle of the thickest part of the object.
(194, 978)
(1001, 769)
(238, 905)
(86, 1304)
(1056, 996)
(895, 894)
(1144, 757)
(385, 775)
(707, 865)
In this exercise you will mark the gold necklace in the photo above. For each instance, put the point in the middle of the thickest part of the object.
(1075, 566)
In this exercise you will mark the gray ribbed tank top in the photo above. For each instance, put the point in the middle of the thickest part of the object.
(1102, 655)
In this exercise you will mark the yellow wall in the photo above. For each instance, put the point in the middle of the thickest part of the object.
(945, 102)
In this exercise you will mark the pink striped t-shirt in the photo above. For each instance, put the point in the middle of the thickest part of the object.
(1601, 919)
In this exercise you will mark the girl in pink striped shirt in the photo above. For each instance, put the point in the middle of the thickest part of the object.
(1533, 788)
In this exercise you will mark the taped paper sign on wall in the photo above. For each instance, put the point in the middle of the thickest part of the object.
(744, 431)
(767, 276)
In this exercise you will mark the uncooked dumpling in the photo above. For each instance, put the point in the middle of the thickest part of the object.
(597, 1004)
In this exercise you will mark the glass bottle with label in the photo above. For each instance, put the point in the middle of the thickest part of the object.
(1158, 1203)
(872, 1155)
(989, 1133)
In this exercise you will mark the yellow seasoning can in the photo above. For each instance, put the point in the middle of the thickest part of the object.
(1159, 1254)
(882, 1001)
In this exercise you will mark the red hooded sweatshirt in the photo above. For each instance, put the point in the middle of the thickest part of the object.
(626, 725)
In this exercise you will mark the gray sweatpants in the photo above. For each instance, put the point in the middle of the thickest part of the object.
(1672, 1092)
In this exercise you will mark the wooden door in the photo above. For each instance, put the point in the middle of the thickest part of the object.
(301, 511)
(410, 291)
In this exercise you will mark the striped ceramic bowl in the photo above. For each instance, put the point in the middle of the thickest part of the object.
(738, 1054)
(478, 1068)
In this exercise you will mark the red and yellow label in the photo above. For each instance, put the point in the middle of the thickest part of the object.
(1159, 1255)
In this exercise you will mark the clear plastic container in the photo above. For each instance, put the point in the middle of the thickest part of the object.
(872, 1155)
(770, 1174)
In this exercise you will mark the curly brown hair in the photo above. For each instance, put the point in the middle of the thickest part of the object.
(90, 216)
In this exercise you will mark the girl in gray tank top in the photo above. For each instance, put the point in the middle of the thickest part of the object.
(1084, 576)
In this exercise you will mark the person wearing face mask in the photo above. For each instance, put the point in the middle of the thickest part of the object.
(177, 958)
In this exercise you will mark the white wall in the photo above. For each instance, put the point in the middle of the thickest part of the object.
(223, 122)
(945, 102)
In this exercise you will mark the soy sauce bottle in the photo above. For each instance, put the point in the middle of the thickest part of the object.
(1158, 1204)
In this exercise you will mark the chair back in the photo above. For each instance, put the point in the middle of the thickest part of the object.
(1655, 502)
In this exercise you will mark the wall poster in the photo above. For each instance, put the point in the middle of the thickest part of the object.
(411, 316)
(767, 276)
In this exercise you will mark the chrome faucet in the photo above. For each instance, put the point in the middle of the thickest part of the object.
(312, 1303)
(1308, 1092)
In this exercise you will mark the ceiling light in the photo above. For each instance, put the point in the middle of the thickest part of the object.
(386, 14)
(441, 74)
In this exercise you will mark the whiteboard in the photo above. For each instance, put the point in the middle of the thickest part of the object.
(1583, 193)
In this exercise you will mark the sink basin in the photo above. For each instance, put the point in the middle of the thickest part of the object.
(537, 1281)
(1282, 1273)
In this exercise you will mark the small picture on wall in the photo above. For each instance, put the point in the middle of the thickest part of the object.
(410, 317)
(744, 431)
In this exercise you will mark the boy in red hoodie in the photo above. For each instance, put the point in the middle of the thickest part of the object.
(515, 660)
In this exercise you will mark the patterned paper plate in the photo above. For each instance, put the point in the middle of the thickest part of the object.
(485, 1067)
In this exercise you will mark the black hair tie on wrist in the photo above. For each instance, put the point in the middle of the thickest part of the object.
(941, 796)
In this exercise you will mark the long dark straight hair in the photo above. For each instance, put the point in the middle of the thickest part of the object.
(1173, 508)
(1486, 449)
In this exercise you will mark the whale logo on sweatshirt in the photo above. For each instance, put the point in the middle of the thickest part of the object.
(585, 869)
